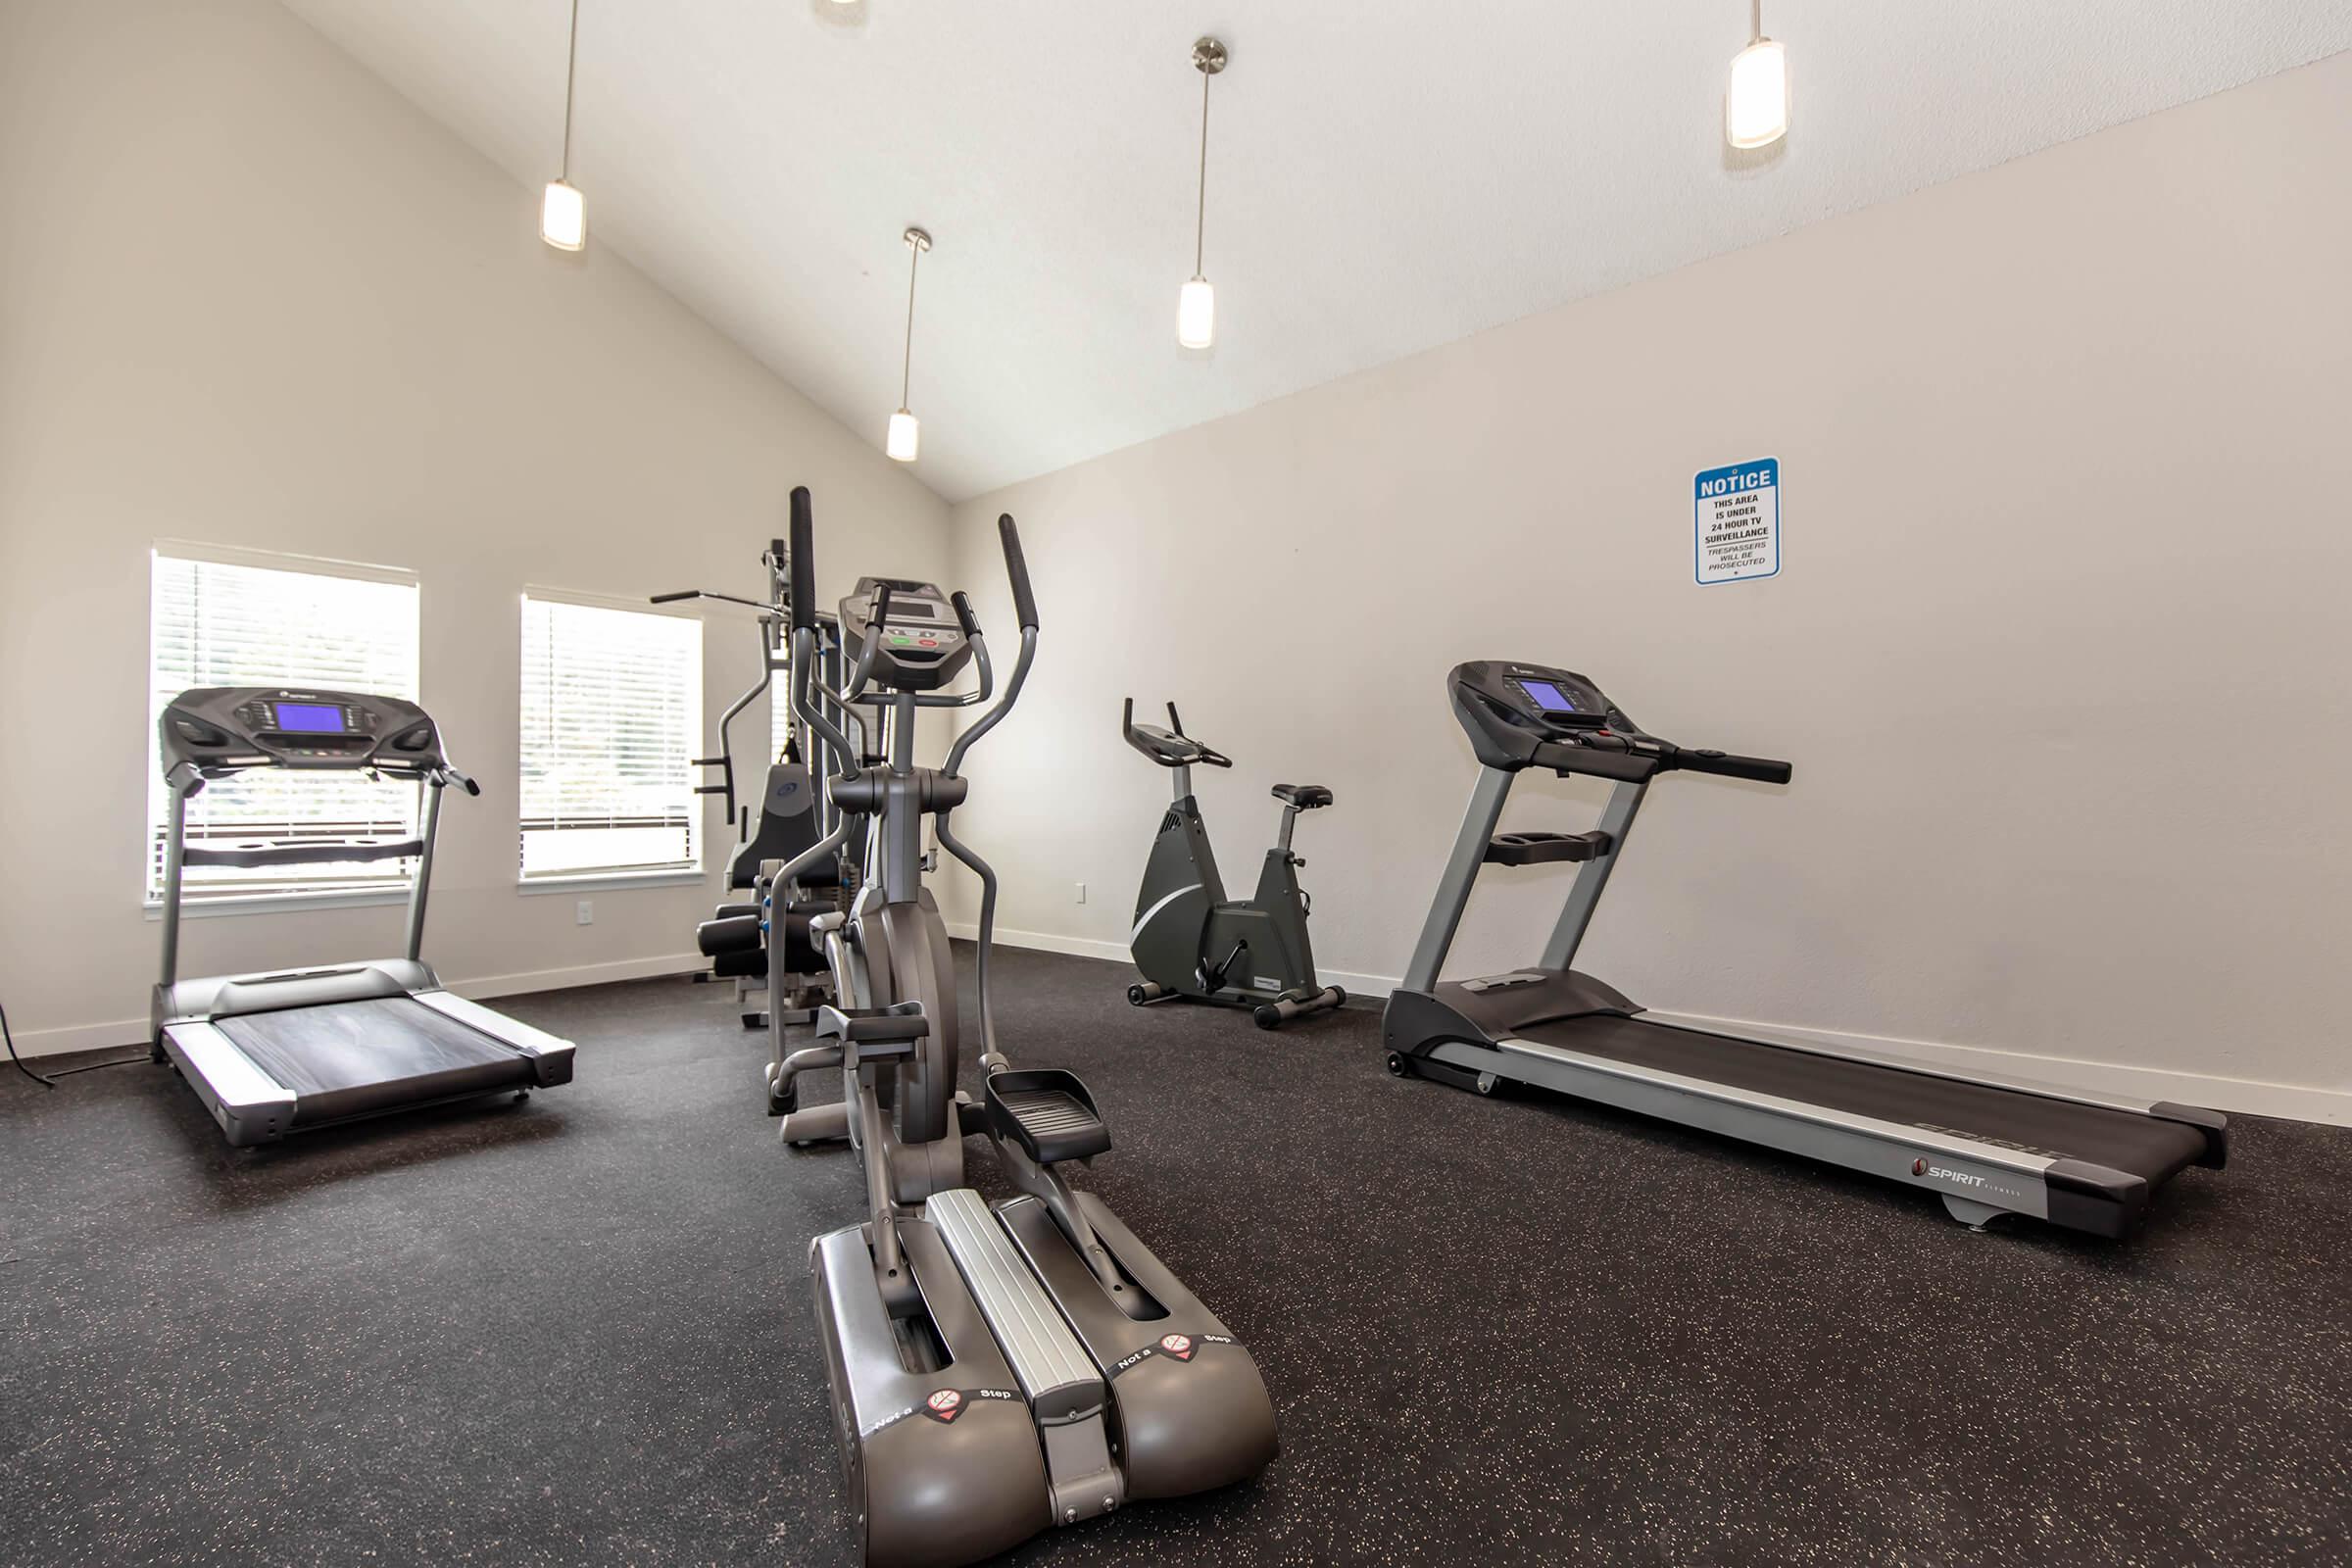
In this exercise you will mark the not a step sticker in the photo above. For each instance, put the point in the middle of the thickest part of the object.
(1739, 521)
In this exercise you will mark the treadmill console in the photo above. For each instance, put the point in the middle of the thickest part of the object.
(224, 729)
(920, 645)
(1509, 709)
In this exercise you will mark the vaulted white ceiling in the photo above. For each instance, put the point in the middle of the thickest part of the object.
(1384, 175)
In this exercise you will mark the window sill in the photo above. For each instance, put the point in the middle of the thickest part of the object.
(615, 881)
(278, 903)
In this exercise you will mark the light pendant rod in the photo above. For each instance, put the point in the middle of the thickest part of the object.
(917, 242)
(1208, 58)
(1197, 299)
(571, 71)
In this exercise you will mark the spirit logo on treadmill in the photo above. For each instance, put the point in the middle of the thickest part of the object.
(943, 1406)
(1179, 1346)
(1920, 1167)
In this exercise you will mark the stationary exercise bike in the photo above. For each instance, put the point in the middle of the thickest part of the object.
(995, 1369)
(1191, 941)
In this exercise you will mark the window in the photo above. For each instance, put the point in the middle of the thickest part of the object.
(223, 618)
(611, 702)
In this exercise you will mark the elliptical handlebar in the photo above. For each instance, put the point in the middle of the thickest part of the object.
(1024, 604)
(802, 558)
(1016, 567)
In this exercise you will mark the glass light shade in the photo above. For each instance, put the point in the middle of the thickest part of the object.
(1755, 103)
(564, 218)
(905, 433)
(1197, 315)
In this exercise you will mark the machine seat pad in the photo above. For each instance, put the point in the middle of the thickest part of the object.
(1305, 797)
(1047, 1112)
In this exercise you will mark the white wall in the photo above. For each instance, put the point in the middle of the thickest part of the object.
(2059, 650)
(249, 296)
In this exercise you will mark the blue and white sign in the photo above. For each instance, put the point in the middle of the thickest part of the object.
(1739, 521)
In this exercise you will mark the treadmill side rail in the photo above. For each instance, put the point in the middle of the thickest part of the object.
(552, 1052)
(2005, 1179)
(250, 1106)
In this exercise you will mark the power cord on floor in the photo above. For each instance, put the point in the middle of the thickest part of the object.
(49, 1081)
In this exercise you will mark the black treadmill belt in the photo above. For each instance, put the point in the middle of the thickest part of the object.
(2147, 1146)
(350, 1059)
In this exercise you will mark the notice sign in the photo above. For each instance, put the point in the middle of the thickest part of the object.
(1739, 521)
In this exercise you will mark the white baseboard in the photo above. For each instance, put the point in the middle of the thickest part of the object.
(2251, 1097)
(485, 987)
(128, 1033)
(1046, 942)
(121, 1035)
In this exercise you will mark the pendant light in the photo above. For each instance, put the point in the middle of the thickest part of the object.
(562, 211)
(1755, 98)
(906, 431)
(1196, 301)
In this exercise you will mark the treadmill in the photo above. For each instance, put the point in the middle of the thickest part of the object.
(286, 1052)
(2078, 1160)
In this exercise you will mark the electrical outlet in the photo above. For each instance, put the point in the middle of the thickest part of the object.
(584, 912)
(1081, 892)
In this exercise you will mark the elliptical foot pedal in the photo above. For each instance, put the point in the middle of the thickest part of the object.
(1047, 1112)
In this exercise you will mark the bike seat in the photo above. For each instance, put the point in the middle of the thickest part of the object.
(1305, 797)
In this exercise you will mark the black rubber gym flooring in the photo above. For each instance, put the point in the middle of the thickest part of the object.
(1497, 1330)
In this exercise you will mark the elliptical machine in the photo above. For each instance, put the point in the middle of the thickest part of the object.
(993, 1369)
(1190, 940)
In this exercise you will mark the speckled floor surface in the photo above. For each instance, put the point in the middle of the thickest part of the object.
(1497, 1330)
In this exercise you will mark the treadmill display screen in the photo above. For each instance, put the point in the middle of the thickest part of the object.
(1549, 696)
(309, 719)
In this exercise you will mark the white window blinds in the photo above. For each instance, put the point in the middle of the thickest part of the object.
(215, 622)
(611, 702)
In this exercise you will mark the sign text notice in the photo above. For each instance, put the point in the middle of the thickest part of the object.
(1739, 521)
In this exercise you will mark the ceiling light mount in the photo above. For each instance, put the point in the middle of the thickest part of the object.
(918, 240)
(1208, 56)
